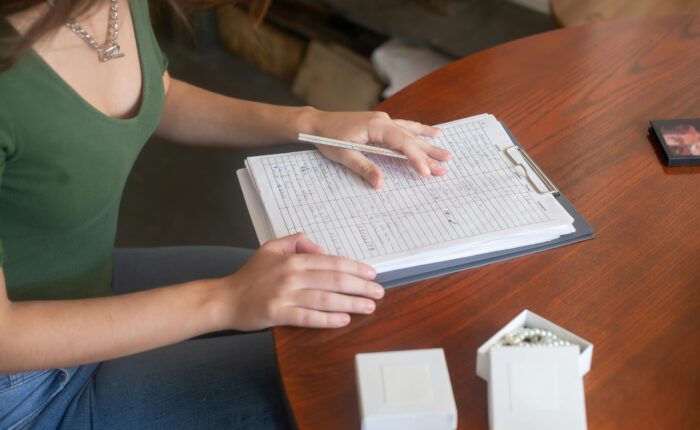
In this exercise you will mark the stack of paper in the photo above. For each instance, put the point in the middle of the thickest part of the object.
(488, 201)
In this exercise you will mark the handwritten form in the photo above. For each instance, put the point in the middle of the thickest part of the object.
(483, 204)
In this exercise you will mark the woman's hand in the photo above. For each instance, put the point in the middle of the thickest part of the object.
(290, 281)
(377, 127)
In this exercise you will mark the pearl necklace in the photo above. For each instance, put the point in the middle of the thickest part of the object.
(528, 337)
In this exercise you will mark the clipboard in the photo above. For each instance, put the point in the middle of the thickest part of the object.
(542, 183)
(524, 164)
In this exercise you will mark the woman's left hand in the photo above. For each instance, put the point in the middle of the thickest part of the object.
(377, 127)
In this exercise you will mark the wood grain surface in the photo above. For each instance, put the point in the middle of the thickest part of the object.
(577, 12)
(579, 100)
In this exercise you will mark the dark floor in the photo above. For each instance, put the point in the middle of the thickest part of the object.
(178, 195)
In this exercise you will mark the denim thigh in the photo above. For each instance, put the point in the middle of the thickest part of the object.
(228, 382)
(27, 396)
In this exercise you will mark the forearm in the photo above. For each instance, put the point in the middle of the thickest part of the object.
(50, 334)
(199, 117)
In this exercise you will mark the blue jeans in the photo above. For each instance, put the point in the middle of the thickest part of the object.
(227, 382)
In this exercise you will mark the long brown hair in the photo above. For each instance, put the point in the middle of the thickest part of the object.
(13, 46)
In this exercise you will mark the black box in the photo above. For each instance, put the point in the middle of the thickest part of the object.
(679, 140)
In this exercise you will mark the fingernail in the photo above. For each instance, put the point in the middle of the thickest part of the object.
(344, 319)
(370, 272)
(370, 307)
(379, 291)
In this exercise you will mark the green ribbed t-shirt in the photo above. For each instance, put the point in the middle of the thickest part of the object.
(63, 165)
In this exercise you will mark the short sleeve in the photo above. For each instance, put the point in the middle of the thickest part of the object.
(163, 61)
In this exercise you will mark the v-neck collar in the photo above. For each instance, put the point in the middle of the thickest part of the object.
(145, 81)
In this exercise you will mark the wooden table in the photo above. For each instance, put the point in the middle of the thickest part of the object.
(579, 100)
(577, 12)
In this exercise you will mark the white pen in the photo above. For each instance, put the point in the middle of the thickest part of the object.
(349, 145)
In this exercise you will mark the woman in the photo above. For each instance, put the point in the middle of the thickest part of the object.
(74, 114)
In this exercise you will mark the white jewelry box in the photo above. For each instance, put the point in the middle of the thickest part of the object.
(535, 388)
(530, 319)
(405, 390)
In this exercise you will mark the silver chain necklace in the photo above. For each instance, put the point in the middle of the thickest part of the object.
(110, 49)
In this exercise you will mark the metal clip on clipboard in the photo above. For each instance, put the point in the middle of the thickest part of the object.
(551, 188)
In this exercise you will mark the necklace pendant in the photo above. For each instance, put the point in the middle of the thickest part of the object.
(110, 53)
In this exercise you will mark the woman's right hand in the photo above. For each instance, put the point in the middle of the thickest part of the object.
(290, 281)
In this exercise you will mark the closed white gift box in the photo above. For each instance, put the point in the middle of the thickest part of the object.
(535, 388)
(405, 390)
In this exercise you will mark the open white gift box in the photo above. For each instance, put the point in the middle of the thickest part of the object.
(538, 387)
(532, 320)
